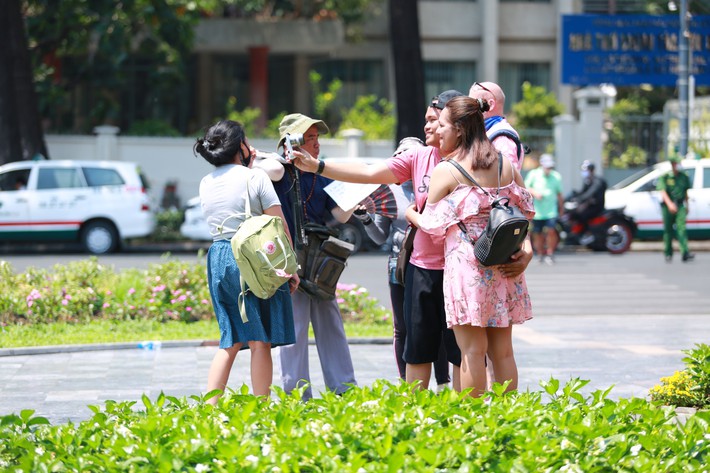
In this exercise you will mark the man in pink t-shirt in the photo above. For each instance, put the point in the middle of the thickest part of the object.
(424, 314)
(495, 122)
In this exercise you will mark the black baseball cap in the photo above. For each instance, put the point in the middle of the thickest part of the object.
(440, 100)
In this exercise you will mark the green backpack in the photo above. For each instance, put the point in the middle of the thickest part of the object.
(264, 255)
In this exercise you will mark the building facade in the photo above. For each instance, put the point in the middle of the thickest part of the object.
(266, 64)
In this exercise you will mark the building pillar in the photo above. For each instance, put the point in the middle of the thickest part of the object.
(301, 85)
(204, 94)
(565, 128)
(353, 142)
(259, 82)
(107, 142)
(489, 41)
(564, 94)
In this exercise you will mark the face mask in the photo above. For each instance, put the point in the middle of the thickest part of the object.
(585, 174)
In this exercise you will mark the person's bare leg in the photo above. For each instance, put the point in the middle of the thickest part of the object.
(538, 241)
(220, 368)
(420, 372)
(490, 372)
(552, 240)
(456, 378)
(500, 348)
(262, 368)
(473, 344)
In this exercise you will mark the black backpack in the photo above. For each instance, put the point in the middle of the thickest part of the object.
(522, 147)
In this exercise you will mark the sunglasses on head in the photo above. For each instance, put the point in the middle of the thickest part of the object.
(483, 87)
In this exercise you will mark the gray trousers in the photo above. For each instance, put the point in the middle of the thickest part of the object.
(331, 343)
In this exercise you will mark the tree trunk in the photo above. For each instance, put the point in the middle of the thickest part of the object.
(11, 148)
(408, 67)
(20, 122)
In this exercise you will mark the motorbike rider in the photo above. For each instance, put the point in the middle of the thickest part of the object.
(589, 199)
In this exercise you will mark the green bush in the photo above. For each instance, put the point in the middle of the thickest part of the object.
(385, 427)
(153, 127)
(375, 117)
(167, 225)
(172, 290)
(690, 387)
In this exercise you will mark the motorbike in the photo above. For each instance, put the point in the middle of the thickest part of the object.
(611, 231)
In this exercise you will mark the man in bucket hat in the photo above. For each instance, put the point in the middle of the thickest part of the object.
(312, 202)
(424, 314)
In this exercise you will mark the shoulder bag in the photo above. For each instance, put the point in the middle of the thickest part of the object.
(506, 229)
(405, 252)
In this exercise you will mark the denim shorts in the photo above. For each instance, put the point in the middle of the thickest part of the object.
(538, 225)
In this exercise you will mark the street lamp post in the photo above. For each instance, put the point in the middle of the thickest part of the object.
(683, 77)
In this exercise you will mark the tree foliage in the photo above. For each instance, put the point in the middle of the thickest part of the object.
(537, 108)
(89, 54)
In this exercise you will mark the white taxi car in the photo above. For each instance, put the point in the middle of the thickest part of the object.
(640, 199)
(97, 203)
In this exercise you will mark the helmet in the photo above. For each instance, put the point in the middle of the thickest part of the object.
(587, 165)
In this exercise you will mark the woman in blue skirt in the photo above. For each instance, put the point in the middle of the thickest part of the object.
(223, 194)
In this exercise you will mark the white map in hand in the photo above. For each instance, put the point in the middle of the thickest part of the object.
(347, 194)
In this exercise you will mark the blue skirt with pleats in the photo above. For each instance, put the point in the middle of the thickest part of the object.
(269, 320)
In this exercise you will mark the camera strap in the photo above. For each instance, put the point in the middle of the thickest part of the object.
(298, 207)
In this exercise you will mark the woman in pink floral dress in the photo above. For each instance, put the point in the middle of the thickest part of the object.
(482, 303)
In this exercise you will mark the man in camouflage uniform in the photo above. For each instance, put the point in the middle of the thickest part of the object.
(674, 207)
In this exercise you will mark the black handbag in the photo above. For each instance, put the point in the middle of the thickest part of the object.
(505, 231)
(321, 261)
(405, 252)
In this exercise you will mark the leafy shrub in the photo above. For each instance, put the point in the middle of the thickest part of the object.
(690, 387)
(356, 305)
(385, 427)
(167, 226)
(537, 108)
(152, 127)
(375, 117)
(86, 290)
(247, 117)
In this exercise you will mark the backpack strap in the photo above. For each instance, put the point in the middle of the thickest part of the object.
(470, 178)
(247, 213)
(509, 134)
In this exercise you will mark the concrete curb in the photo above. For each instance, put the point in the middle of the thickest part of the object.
(50, 349)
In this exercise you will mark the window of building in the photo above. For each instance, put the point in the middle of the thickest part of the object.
(359, 78)
(230, 78)
(511, 76)
(444, 75)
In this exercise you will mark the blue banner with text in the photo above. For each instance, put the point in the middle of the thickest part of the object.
(631, 49)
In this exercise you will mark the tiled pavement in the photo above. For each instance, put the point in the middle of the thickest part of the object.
(631, 352)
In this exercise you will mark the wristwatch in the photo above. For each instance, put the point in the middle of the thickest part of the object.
(321, 166)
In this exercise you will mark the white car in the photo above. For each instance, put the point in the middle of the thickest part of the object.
(638, 196)
(195, 227)
(96, 203)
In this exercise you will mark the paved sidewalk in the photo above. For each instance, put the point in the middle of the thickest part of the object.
(630, 352)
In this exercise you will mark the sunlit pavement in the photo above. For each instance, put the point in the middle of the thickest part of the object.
(631, 353)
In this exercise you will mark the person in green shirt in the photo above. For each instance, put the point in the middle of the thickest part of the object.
(545, 185)
(674, 207)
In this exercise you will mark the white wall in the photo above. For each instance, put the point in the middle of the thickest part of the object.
(171, 159)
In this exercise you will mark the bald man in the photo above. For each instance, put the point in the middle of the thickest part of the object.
(496, 124)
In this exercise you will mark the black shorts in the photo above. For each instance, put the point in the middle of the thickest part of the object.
(425, 318)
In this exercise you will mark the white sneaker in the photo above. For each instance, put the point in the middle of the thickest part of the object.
(441, 387)
(549, 260)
